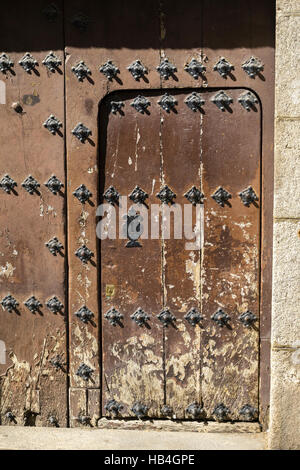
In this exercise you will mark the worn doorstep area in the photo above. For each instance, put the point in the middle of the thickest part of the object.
(26, 438)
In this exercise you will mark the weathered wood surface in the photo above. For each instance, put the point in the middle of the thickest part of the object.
(30, 387)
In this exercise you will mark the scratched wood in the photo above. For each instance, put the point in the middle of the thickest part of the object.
(97, 44)
(30, 387)
(132, 354)
(181, 158)
(231, 253)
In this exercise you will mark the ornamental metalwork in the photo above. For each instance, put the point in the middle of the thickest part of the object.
(195, 68)
(167, 102)
(52, 124)
(54, 184)
(194, 101)
(194, 195)
(28, 62)
(81, 71)
(166, 195)
(52, 62)
(30, 184)
(141, 103)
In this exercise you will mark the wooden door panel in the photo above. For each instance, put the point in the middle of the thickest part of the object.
(132, 354)
(30, 385)
(181, 158)
(230, 258)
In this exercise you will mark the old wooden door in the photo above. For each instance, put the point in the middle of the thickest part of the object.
(150, 327)
(199, 358)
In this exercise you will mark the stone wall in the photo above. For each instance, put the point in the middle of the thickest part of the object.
(284, 430)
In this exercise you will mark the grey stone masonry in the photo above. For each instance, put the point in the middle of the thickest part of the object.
(284, 432)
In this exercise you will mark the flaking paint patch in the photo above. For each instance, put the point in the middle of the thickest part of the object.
(193, 269)
(7, 270)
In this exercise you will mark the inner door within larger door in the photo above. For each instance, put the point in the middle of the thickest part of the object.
(180, 333)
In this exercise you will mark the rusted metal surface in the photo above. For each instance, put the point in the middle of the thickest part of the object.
(30, 386)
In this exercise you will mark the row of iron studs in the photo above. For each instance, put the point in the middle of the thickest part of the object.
(168, 103)
(138, 195)
(140, 317)
(194, 411)
(166, 69)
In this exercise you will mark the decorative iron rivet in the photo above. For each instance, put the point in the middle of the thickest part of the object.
(82, 193)
(222, 100)
(116, 107)
(167, 411)
(194, 101)
(56, 362)
(195, 196)
(248, 412)
(111, 195)
(248, 318)
(7, 184)
(81, 132)
(248, 100)
(54, 184)
(195, 68)
(54, 305)
(52, 124)
(253, 66)
(221, 412)
(81, 71)
(140, 317)
(51, 12)
(33, 304)
(84, 420)
(132, 228)
(138, 195)
(84, 314)
(220, 317)
(221, 196)
(113, 407)
(54, 246)
(166, 69)
(84, 254)
(109, 70)
(166, 317)
(223, 67)
(195, 410)
(193, 316)
(167, 102)
(166, 195)
(140, 103)
(17, 107)
(30, 184)
(80, 21)
(248, 196)
(113, 316)
(10, 416)
(9, 303)
(52, 420)
(28, 62)
(137, 69)
(84, 372)
(139, 410)
(52, 62)
(5, 63)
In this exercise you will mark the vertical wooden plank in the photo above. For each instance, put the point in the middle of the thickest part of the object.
(95, 33)
(181, 157)
(230, 264)
(132, 354)
(31, 387)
